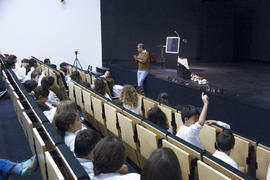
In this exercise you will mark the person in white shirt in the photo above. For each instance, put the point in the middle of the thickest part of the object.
(192, 126)
(46, 83)
(162, 164)
(85, 142)
(63, 70)
(129, 98)
(21, 71)
(108, 159)
(224, 144)
(114, 88)
(99, 86)
(69, 125)
(29, 69)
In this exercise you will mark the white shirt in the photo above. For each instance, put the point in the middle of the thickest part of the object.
(40, 78)
(52, 98)
(28, 75)
(191, 134)
(133, 109)
(50, 114)
(69, 139)
(21, 73)
(88, 166)
(224, 157)
(67, 79)
(117, 89)
(107, 96)
(117, 176)
(224, 125)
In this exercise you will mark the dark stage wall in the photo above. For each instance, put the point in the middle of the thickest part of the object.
(223, 30)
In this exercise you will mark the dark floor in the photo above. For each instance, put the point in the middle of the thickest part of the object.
(13, 143)
(247, 82)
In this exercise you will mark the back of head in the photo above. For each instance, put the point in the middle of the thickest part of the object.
(85, 142)
(34, 74)
(162, 164)
(109, 155)
(64, 69)
(163, 98)
(158, 117)
(25, 61)
(41, 92)
(32, 62)
(47, 82)
(11, 61)
(188, 110)
(76, 76)
(64, 120)
(30, 85)
(225, 140)
(47, 61)
(63, 106)
(63, 64)
(99, 86)
(129, 96)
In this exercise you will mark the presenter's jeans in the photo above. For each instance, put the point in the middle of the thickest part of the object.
(141, 75)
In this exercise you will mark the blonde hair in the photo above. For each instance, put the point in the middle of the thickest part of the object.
(64, 106)
(129, 96)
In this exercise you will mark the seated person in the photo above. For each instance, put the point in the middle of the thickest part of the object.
(158, 117)
(21, 71)
(75, 76)
(32, 65)
(47, 83)
(63, 64)
(224, 144)
(41, 96)
(24, 168)
(47, 61)
(30, 85)
(114, 88)
(129, 98)
(85, 142)
(162, 164)
(163, 98)
(11, 63)
(193, 122)
(99, 86)
(109, 158)
(69, 125)
(35, 75)
(63, 70)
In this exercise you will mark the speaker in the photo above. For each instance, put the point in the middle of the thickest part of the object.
(183, 72)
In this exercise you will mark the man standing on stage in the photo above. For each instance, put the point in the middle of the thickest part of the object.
(143, 61)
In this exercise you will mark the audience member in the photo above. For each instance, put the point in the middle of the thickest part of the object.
(85, 142)
(162, 164)
(224, 144)
(35, 75)
(193, 122)
(47, 83)
(114, 88)
(21, 71)
(157, 116)
(163, 98)
(109, 158)
(30, 68)
(129, 98)
(75, 76)
(63, 70)
(47, 61)
(30, 85)
(99, 86)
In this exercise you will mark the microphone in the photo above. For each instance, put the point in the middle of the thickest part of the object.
(176, 33)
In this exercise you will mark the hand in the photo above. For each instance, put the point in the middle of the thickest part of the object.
(135, 57)
(123, 169)
(205, 98)
(210, 122)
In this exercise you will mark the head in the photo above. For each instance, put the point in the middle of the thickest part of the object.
(47, 82)
(41, 96)
(47, 61)
(107, 73)
(85, 142)
(76, 76)
(162, 164)
(140, 47)
(225, 141)
(129, 96)
(68, 121)
(11, 61)
(35, 75)
(108, 155)
(30, 85)
(190, 114)
(24, 63)
(99, 86)
(63, 64)
(63, 70)
(163, 98)
(158, 117)
(32, 63)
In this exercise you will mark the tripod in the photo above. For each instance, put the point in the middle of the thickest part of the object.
(76, 61)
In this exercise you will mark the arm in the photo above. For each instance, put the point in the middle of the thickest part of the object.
(143, 59)
(204, 109)
(220, 123)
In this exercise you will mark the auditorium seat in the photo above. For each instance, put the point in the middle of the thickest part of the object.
(206, 172)
(82, 74)
(111, 119)
(263, 160)
(78, 94)
(53, 171)
(87, 101)
(178, 120)
(208, 138)
(99, 114)
(71, 91)
(88, 78)
(28, 131)
(169, 112)
(147, 104)
(183, 158)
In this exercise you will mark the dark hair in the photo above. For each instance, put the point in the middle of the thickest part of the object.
(53, 66)
(64, 120)
(188, 111)
(11, 61)
(32, 63)
(30, 85)
(162, 164)
(63, 64)
(99, 86)
(46, 61)
(25, 61)
(47, 82)
(76, 76)
(41, 92)
(110, 83)
(109, 155)
(35, 73)
(141, 45)
(163, 98)
(64, 69)
(85, 142)
(225, 140)
(158, 117)
(12, 58)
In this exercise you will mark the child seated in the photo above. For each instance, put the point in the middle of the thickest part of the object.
(193, 122)
(224, 144)
(85, 142)
(47, 83)
(108, 160)
(162, 164)
(69, 125)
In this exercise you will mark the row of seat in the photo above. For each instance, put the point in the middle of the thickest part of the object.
(55, 159)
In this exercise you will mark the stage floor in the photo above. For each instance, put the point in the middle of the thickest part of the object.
(247, 82)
